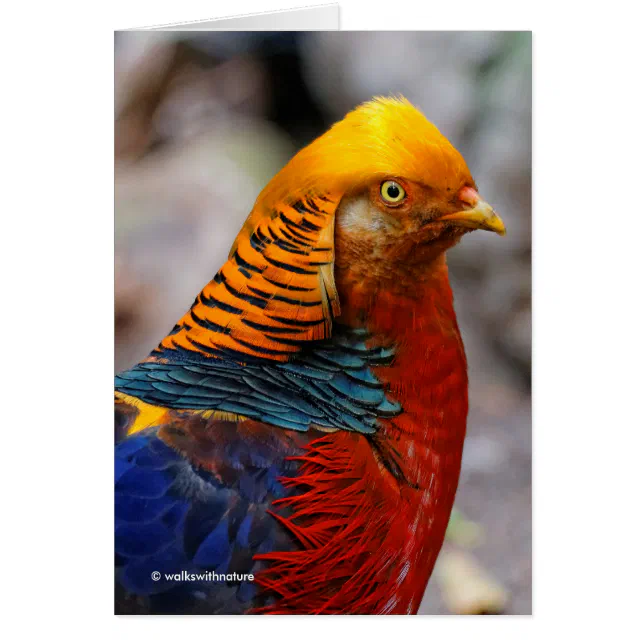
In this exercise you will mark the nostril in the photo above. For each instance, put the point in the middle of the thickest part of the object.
(468, 196)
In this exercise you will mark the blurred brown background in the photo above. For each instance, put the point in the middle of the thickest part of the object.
(204, 120)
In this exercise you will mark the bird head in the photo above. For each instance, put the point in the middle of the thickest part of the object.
(370, 205)
(402, 193)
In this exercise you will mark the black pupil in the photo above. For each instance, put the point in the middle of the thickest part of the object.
(393, 191)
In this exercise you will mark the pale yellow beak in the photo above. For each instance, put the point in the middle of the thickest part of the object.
(480, 215)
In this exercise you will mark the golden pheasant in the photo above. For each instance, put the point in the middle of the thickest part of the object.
(293, 445)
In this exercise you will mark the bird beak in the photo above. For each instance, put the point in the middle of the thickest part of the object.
(479, 215)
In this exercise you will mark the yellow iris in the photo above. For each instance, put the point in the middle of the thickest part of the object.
(392, 192)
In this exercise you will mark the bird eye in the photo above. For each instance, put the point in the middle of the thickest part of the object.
(392, 193)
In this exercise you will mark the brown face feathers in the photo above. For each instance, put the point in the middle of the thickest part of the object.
(374, 238)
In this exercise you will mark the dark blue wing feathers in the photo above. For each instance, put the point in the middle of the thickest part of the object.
(174, 518)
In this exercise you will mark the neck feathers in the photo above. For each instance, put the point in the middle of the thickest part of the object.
(428, 376)
(275, 293)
